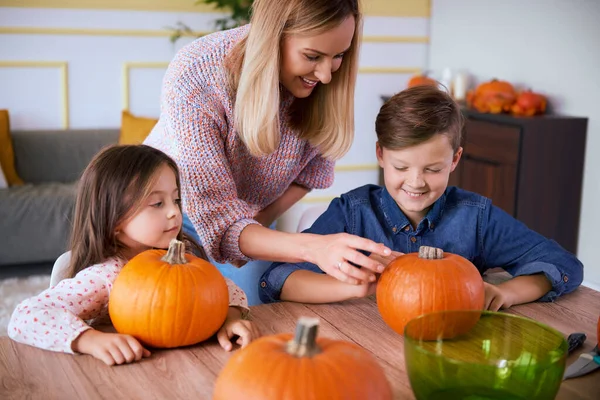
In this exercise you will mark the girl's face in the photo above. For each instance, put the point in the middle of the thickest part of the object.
(418, 175)
(159, 219)
(307, 61)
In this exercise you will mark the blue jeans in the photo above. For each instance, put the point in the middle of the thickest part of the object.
(247, 277)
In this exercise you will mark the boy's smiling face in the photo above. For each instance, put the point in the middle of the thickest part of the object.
(417, 176)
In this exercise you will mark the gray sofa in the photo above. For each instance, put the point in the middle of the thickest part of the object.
(35, 219)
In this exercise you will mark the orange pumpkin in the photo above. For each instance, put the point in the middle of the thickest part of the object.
(428, 281)
(282, 367)
(492, 97)
(421, 79)
(168, 299)
(528, 104)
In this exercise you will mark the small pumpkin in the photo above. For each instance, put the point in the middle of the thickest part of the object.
(282, 367)
(428, 281)
(421, 79)
(598, 333)
(168, 298)
(494, 97)
(529, 103)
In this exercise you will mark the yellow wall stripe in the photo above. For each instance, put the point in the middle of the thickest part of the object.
(387, 8)
(317, 199)
(134, 5)
(356, 167)
(64, 80)
(25, 30)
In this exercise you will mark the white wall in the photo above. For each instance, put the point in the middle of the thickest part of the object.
(105, 56)
(552, 46)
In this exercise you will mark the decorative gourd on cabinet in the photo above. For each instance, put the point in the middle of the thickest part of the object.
(282, 367)
(168, 298)
(493, 97)
(421, 79)
(528, 104)
(428, 281)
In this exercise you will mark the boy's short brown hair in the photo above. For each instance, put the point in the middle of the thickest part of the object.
(415, 114)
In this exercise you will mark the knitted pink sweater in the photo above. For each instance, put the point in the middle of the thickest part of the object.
(223, 186)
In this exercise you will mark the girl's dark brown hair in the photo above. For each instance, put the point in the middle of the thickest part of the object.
(415, 115)
(113, 188)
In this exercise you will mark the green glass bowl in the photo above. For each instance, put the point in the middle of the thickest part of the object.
(478, 355)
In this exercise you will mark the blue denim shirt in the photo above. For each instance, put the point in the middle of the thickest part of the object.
(459, 222)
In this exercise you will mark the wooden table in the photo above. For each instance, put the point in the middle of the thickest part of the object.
(189, 373)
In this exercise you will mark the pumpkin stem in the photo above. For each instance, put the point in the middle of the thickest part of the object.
(176, 253)
(430, 253)
(304, 343)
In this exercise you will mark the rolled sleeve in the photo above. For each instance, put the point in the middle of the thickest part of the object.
(271, 282)
(318, 174)
(509, 244)
(560, 281)
(230, 243)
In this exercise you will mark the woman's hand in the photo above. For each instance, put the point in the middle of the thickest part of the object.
(246, 331)
(334, 254)
(367, 289)
(111, 348)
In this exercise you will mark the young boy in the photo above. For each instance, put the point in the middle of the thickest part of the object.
(419, 136)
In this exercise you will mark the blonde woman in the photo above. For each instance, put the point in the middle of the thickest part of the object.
(255, 118)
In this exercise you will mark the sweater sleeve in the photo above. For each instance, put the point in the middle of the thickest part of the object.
(53, 319)
(318, 174)
(194, 121)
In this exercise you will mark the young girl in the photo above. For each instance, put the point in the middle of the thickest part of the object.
(127, 202)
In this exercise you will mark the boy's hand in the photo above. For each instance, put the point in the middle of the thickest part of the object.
(497, 297)
(235, 326)
(111, 348)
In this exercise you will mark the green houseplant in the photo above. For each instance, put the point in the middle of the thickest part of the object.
(239, 15)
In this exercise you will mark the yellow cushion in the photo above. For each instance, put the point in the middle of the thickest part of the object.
(7, 154)
(135, 129)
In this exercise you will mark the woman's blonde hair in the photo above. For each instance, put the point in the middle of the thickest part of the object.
(326, 117)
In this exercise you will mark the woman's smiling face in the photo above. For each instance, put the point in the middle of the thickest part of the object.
(307, 61)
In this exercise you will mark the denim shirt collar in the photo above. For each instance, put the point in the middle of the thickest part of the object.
(397, 221)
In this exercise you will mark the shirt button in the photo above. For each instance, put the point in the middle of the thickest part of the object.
(565, 279)
(413, 239)
(431, 226)
(394, 229)
(406, 228)
(263, 284)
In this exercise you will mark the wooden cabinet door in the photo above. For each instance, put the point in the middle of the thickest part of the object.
(489, 162)
(492, 180)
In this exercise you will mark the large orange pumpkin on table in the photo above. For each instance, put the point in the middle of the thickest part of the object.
(428, 281)
(168, 298)
(493, 97)
(302, 367)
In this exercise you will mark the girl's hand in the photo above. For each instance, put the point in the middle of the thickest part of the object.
(111, 348)
(334, 253)
(246, 331)
(497, 297)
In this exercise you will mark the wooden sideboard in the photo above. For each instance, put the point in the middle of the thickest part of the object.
(531, 167)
